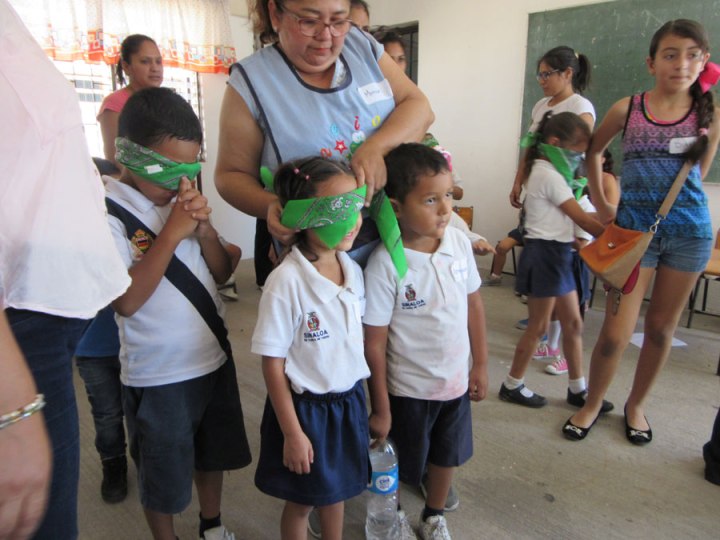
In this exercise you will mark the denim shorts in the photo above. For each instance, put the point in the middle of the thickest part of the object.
(682, 254)
(435, 432)
(181, 427)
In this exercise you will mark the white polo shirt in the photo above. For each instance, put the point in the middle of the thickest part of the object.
(428, 349)
(166, 340)
(314, 324)
(545, 191)
(575, 104)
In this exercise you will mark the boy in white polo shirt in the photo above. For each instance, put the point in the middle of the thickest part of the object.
(180, 393)
(420, 332)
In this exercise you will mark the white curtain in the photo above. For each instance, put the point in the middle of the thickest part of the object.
(192, 34)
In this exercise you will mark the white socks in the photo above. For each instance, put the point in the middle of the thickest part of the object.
(577, 385)
(554, 335)
(511, 383)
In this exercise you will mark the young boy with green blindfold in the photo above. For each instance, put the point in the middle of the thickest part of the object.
(180, 389)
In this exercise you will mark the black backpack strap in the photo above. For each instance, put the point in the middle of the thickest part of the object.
(180, 276)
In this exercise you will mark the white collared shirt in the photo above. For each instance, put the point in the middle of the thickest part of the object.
(545, 191)
(166, 340)
(56, 252)
(428, 349)
(315, 324)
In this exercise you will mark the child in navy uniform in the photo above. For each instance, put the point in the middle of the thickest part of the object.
(421, 332)
(180, 392)
(314, 446)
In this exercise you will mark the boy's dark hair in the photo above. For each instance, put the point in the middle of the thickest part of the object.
(686, 28)
(298, 179)
(152, 115)
(566, 126)
(406, 163)
(563, 57)
(129, 46)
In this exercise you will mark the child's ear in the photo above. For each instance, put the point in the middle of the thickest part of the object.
(553, 141)
(396, 206)
(650, 65)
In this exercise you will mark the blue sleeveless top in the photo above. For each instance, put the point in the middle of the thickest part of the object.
(299, 120)
(650, 164)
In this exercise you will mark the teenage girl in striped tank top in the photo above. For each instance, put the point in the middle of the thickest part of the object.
(661, 128)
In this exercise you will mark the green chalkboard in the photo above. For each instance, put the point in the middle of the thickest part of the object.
(615, 36)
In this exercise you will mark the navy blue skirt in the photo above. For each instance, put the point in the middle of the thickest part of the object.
(337, 426)
(545, 269)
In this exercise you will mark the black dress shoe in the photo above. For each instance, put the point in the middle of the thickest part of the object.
(578, 400)
(515, 396)
(639, 437)
(576, 433)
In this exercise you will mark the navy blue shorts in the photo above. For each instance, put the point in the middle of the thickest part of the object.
(435, 432)
(178, 428)
(337, 426)
(517, 235)
(545, 269)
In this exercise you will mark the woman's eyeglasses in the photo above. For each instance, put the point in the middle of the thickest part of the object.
(311, 27)
(545, 75)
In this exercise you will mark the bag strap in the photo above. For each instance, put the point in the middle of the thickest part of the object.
(674, 190)
(180, 276)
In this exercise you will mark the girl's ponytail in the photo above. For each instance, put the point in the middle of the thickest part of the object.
(705, 106)
(581, 77)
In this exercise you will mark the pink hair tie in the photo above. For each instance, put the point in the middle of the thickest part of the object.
(709, 76)
(703, 131)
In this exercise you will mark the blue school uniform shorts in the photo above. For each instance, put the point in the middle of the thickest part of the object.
(435, 432)
(178, 428)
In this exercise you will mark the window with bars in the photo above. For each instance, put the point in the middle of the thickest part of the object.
(93, 82)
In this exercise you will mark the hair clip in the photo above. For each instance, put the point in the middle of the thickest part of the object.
(703, 131)
(306, 176)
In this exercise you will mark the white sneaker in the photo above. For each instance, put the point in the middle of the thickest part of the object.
(493, 279)
(435, 528)
(314, 523)
(406, 532)
(218, 533)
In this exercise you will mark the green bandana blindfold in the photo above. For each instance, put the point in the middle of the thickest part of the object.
(153, 167)
(566, 163)
(334, 217)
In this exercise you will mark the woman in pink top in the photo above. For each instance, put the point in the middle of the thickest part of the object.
(140, 59)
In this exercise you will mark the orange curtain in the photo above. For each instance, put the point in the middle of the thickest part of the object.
(191, 34)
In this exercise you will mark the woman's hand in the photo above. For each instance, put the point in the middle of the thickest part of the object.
(368, 164)
(283, 234)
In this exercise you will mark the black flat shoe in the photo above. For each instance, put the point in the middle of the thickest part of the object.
(576, 433)
(639, 437)
(578, 400)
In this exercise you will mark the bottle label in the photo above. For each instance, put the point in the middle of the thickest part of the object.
(384, 482)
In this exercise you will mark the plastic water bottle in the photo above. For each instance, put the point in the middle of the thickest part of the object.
(382, 516)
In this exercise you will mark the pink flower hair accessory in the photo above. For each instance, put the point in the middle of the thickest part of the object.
(709, 76)
(703, 131)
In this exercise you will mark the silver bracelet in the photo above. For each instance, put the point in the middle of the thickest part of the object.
(23, 412)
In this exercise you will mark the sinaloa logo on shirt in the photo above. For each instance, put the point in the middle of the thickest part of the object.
(140, 242)
(315, 332)
(411, 298)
